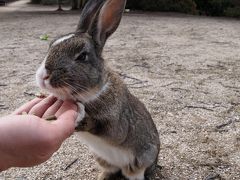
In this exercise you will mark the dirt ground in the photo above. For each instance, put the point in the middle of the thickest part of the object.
(186, 70)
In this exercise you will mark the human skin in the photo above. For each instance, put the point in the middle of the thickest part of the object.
(29, 140)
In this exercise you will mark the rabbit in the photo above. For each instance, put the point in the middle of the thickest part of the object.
(113, 123)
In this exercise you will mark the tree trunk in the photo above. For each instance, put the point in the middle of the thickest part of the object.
(59, 5)
(75, 4)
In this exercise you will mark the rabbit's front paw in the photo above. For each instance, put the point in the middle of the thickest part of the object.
(81, 114)
(104, 176)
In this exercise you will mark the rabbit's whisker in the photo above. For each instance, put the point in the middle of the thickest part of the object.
(88, 94)
(83, 97)
(75, 91)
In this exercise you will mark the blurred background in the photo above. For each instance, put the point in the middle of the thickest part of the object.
(230, 8)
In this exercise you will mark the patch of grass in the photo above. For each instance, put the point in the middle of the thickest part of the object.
(44, 37)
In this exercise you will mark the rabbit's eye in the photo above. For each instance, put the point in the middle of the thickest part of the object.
(82, 57)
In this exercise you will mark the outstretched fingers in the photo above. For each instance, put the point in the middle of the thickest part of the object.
(40, 108)
(52, 110)
(27, 107)
(66, 116)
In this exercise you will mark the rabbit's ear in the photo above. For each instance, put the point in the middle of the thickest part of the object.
(108, 20)
(88, 15)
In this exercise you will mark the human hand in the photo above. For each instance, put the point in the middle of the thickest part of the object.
(28, 140)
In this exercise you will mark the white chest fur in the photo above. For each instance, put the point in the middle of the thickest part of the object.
(104, 150)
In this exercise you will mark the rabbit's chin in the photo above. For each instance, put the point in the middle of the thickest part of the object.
(60, 93)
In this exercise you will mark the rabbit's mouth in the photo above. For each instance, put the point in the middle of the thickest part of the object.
(43, 81)
(62, 93)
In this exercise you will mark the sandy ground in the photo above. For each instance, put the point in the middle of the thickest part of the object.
(186, 70)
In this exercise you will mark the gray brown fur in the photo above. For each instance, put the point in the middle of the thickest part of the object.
(115, 116)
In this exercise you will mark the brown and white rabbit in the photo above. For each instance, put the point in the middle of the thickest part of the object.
(113, 123)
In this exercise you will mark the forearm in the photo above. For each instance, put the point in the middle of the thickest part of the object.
(4, 160)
